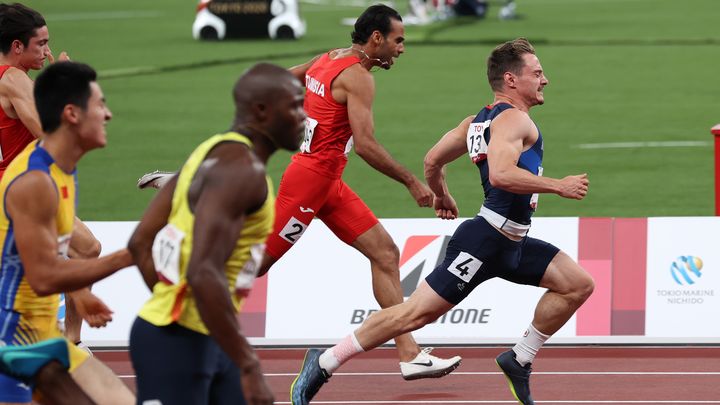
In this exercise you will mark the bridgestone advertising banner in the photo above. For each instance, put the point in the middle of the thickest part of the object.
(656, 282)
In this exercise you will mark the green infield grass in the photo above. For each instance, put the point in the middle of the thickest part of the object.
(634, 89)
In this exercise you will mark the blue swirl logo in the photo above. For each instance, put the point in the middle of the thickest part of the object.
(685, 270)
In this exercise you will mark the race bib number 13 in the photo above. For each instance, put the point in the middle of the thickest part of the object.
(166, 253)
(476, 143)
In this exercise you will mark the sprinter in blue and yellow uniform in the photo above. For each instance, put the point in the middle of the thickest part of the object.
(198, 248)
(37, 212)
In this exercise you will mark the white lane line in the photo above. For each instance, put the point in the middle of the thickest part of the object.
(506, 402)
(341, 3)
(650, 144)
(102, 15)
(128, 71)
(454, 373)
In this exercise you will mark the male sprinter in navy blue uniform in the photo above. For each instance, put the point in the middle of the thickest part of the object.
(507, 147)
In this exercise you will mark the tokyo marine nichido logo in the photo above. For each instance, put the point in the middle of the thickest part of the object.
(686, 272)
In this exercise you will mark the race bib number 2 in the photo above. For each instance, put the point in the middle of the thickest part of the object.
(166, 253)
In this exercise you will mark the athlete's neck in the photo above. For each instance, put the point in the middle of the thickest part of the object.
(6, 61)
(262, 145)
(365, 60)
(504, 98)
(63, 150)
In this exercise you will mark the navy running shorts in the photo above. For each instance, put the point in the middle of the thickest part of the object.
(478, 252)
(176, 365)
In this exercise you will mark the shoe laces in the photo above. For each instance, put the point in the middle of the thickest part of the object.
(426, 352)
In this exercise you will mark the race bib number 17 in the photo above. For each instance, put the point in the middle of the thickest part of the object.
(166, 253)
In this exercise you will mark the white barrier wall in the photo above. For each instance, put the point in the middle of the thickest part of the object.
(683, 278)
(321, 290)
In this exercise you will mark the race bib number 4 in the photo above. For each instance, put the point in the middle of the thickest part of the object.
(476, 143)
(310, 125)
(465, 266)
(166, 253)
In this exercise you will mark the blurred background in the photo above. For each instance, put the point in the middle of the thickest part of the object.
(634, 89)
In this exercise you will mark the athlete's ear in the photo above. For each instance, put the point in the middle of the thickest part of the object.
(510, 80)
(377, 37)
(71, 114)
(260, 111)
(17, 46)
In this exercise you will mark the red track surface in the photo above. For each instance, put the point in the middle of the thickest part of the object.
(562, 375)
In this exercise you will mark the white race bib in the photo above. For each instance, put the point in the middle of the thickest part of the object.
(476, 144)
(465, 266)
(310, 125)
(293, 229)
(248, 274)
(166, 253)
(64, 245)
(349, 145)
(536, 196)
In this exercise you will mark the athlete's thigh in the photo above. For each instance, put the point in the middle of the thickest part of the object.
(301, 195)
(225, 387)
(469, 260)
(564, 275)
(534, 260)
(172, 364)
(346, 214)
(101, 384)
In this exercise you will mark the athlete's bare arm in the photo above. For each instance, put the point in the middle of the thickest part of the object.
(513, 132)
(154, 219)
(227, 186)
(356, 87)
(299, 70)
(450, 147)
(83, 243)
(31, 202)
(17, 90)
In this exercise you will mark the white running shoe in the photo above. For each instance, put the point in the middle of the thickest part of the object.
(425, 365)
(156, 179)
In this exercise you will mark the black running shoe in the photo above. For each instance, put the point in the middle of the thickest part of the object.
(310, 379)
(518, 377)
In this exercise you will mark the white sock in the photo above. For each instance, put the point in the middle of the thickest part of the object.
(526, 349)
(337, 355)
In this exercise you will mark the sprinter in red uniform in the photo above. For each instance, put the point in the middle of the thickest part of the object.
(338, 101)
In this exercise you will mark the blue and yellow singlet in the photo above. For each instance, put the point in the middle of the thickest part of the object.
(25, 317)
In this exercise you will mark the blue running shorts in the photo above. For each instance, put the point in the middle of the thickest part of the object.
(478, 252)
